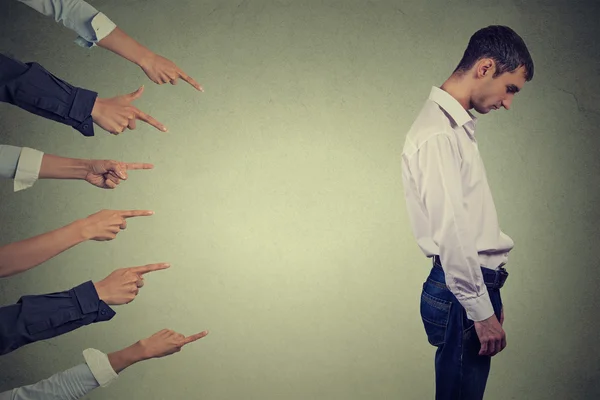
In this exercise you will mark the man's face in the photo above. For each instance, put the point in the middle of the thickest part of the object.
(494, 93)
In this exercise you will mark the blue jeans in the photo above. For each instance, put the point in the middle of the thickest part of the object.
(460, 372)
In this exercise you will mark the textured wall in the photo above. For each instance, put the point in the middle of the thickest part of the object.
(279, 202)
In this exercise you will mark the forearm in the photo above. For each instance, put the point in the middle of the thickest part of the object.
(26, 254)
(56, 167)
(119, 360)
(122, 44)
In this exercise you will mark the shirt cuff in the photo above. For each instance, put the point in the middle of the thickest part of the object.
(102, 26)
(478, 308)
(81, 111)
(100, 366)
(89, 302)
(28, 169)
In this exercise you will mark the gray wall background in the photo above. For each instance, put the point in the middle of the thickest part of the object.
(279, 202)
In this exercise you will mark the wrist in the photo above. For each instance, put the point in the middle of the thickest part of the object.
(139, 351)
(144, 59)
(119, 360)
(79, 231)
(101, 292)
(80, 168)
(96, 108)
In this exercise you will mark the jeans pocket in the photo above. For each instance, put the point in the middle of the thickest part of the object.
(435, 314)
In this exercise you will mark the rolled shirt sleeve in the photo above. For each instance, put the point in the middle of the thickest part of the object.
(77, 15)
(21, 164)
(71, 384)
(440, 189)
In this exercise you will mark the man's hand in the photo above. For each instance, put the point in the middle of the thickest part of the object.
(106, 224)
(166, 342)
(107, 174)
(491, 336)
(122, 285)
(161, 70)
(116, 114)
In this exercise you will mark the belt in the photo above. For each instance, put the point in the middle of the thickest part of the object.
(493, 278)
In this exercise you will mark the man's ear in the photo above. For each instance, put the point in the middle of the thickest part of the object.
(485, 67)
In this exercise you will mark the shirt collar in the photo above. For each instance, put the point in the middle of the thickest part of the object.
(460, 116)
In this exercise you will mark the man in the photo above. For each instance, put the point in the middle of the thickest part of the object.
(101, 369)
(453, 215)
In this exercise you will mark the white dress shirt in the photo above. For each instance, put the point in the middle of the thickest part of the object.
(21, 164)
(91, 25)
(449, 201)
(71, 384)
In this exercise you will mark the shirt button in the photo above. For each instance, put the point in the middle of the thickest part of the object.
(103, 312)
(86, 126)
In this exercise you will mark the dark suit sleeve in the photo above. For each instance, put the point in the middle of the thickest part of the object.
(45, 316)
(32, 88)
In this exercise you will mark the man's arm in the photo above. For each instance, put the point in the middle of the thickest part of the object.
(35, 318)
(440, 188)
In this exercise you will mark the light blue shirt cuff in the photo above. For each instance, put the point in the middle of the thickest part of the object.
(101, 27)
(91, 26)
(28, 168)
(100, 366)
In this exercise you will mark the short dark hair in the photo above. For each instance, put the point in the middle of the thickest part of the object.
(501, 44)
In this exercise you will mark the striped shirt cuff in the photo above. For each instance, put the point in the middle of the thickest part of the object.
(28, 168)
(100, 366)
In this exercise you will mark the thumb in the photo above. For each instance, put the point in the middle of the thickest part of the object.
(115, 168)
(136, 95)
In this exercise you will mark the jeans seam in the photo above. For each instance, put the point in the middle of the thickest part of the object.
(462, 353)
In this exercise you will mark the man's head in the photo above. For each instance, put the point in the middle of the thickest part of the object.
(497, 64)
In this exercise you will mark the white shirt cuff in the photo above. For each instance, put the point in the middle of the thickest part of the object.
(478, 308)
(100, 366)
(102, 27)
(28, 168)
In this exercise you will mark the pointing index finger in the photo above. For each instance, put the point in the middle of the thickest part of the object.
(150, 268)
(195, 337)
(136, 213)
(190, 80)
(138, 166)
(142, 116)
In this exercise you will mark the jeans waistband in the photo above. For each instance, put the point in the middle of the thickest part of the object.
(493, 279)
